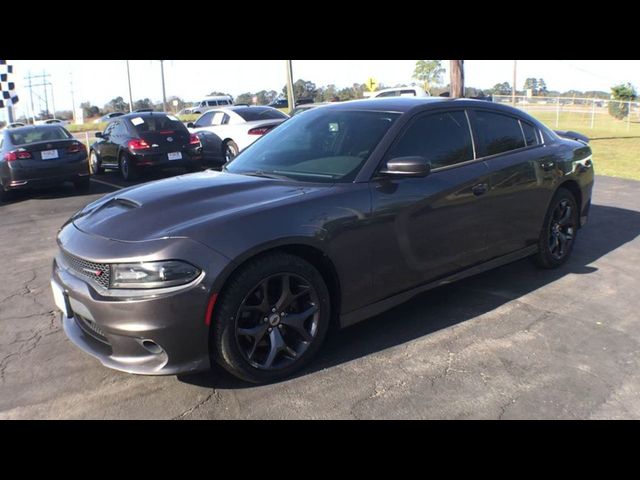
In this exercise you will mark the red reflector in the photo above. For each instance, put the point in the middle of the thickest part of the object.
(74, 148)
(193, 139)
(212, 302)
(166, 132)
(138, 144)
(259, 131)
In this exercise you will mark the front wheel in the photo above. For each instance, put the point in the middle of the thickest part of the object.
(558, 231)
(270, 319)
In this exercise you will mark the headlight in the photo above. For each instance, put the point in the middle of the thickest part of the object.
(152, 274)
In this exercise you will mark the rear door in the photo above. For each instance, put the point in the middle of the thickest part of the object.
(516, 200)
(426, 228)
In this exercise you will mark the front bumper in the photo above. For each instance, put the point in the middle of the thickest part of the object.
(161, 334)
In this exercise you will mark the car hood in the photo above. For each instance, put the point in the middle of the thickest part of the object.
(179, 206)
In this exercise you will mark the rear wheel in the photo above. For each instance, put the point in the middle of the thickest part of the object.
(128, 170)
(558, 231)
(229, 150)
(270, 319)
(95, 165)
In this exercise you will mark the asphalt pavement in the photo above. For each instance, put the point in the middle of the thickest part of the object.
(516, 342)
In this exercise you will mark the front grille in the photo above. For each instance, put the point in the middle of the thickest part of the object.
(98, 272)
(91, 328)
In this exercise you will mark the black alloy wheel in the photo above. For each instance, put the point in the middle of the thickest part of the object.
(559, 230)
(271, 318)
(277, 321)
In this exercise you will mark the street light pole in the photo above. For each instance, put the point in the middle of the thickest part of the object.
(291, 100)
(164, 95)
(513, 90)
(130, 96)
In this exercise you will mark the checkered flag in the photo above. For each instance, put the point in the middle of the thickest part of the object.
(8, 96)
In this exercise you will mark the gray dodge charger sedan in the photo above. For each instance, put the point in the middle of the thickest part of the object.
(334, 216)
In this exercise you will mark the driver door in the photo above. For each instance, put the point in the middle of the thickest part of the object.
(429, 227)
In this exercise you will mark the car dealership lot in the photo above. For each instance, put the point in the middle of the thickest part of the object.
(516, 342)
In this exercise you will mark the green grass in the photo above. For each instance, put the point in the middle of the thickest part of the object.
(615, 145)
(87, 127)
(189, 118)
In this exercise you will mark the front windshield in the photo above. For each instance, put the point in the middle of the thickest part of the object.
(324, 145)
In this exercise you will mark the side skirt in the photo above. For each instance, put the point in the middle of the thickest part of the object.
(363, 313)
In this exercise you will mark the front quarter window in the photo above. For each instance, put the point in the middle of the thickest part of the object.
(324, 145)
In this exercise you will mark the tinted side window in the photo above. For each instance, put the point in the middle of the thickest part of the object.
(498, 133)
(120, 129)
(442, 138)
(530, 133)
(109, 129)
(204, 120)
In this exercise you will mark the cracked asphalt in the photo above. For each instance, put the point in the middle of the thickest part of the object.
(513, 343)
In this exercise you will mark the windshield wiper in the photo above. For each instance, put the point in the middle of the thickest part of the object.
(261, 173)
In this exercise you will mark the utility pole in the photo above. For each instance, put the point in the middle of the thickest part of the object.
(513, 90)
(73, 101)
(456, 68)
(33, 115)
(291, 100)
(164, 95)
(44, 84)
(53, 105)
(46, 98)
(130, 96)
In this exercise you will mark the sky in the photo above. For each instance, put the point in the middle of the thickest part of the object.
(99, 81)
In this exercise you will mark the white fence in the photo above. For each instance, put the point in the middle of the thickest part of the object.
(592, 112)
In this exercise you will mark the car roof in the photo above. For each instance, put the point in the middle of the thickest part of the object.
(27, 128)
(143, 114)
(405, 104)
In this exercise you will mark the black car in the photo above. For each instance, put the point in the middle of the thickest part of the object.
(41, 155)
(138, 141)
(335, 216)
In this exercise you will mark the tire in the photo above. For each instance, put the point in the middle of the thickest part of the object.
(243, 342)
(5, 195)
(83, 184)
(95, 165)
(229, 150)
(128, 171)
(559, 231)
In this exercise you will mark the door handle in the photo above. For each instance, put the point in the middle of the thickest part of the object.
(548, 165)
(480, 189)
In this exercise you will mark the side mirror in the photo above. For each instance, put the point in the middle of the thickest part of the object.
(407, 167)
(191, 125)
(99, 135)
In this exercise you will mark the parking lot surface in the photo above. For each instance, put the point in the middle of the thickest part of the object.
(516, 342)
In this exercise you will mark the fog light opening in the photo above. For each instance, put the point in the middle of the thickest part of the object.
(151, 346)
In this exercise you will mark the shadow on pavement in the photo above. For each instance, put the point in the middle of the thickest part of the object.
(64, 190)
(608, 229)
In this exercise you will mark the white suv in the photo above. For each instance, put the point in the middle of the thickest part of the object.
(209, 103)
(400, 92)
